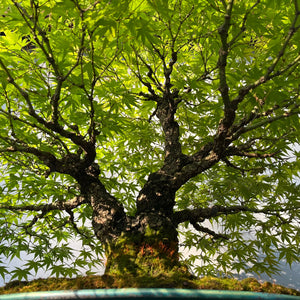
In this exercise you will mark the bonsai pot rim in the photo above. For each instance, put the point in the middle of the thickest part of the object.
(144, 294)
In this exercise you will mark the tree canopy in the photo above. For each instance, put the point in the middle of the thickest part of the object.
(115, 115)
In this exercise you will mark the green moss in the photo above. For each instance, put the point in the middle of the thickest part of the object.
(147, 262)
(146, 254)
(251, 284)
(167, 280)
(151, 233)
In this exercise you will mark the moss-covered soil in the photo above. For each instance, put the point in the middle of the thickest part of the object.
(104, 282)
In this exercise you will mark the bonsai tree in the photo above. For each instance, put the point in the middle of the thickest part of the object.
(139, 127)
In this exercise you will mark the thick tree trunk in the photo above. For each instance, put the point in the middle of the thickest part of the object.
(143, 245)
(148, 248)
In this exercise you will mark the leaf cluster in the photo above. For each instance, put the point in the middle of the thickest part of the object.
(78, 75)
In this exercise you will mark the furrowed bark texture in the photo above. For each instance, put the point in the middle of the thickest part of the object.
(136, 244)
(141, 244)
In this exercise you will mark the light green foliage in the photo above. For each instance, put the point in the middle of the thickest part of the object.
(112, 55)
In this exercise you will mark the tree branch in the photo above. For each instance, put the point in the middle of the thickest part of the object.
(18, 146)
(210, 232)
(70, 164)
(32, 23)
(79, 140)
(193, 165)
(13, 117)
(263, 122)
(268, 75)
(150, 73)
(201, 214)
(229, 110)
(222, 139)
(223, 53)
(243, 25)
(236, 152)
(45, 208)
(74, 225)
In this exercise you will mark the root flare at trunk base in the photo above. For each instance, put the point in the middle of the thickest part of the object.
(146, 254)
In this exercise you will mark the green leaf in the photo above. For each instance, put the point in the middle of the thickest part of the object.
(205, 97)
